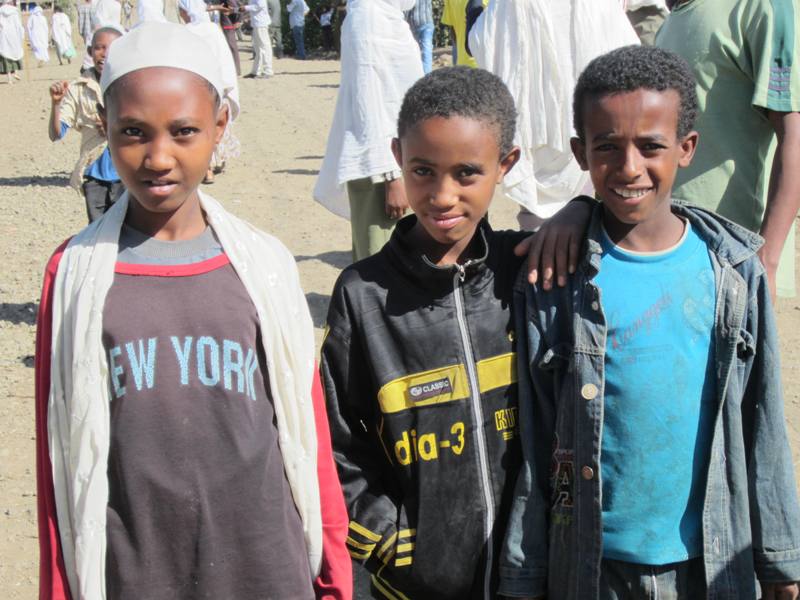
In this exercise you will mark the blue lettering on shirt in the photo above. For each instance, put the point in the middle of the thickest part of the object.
(217, 363)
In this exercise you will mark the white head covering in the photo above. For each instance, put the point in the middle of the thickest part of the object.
(154, 44)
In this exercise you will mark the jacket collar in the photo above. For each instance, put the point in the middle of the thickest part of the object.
(729, 241)
(410, 259)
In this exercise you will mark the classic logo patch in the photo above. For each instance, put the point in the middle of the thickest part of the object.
(423, 391)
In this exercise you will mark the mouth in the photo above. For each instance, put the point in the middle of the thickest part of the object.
(632, 193)
(445, 222)
(160, 187)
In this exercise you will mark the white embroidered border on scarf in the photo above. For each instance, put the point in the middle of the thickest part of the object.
(78, 410)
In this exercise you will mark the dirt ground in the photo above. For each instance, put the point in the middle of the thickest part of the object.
(282, 129)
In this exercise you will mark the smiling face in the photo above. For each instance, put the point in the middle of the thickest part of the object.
(100, 43)
(450, 169)
(162, 125)
(632, 151)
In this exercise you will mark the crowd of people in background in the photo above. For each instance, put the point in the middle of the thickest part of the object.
(654, 148)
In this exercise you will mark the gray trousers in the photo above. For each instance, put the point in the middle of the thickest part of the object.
(100, 195)
(628, 581)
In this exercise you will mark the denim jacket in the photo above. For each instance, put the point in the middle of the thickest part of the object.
(751, 518)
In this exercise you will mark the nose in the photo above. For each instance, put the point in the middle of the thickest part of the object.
(159, 157)
(445, 194)
(631, 167)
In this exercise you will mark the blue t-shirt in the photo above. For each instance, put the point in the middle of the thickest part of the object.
(103, 168)
(659, 399)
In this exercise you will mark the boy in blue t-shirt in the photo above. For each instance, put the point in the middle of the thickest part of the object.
(651, 411)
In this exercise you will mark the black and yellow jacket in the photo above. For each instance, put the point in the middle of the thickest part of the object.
(419, 373)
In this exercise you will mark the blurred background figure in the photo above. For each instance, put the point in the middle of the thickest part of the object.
(12, 36)
(39, 35)
(539, 48)
(62, 35)
(420, 19)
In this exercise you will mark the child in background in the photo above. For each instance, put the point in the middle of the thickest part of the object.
(326, 27)
(418, 359)
(62, 36)
(651, 411)
(183, 450)
(75, 106)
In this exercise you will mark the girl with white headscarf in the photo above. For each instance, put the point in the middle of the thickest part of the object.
(38, 34)
(12, 35)
(62, 35)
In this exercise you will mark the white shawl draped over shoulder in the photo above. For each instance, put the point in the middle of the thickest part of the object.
(380, 61)
(539, 48)
(79, 402)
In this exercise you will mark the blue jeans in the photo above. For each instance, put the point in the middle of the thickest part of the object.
(424, 37)
(299, 43)
(628, 581)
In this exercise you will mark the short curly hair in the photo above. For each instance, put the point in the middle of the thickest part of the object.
(637, 67)
(463, 92)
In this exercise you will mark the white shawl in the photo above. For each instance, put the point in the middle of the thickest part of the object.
(38, 34)
(79, 403)
(380, 61)
(150, 10)
(539, 48)
(106, 13)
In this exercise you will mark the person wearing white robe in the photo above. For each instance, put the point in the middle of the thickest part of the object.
(539, 48)
(106, 12)
(150, 10)
(12, 36)
(359, 178)
(62, 35)
(39, 35)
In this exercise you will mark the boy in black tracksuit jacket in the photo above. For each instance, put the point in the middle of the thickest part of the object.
(418, 361)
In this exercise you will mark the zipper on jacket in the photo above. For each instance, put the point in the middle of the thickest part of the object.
(477, 413)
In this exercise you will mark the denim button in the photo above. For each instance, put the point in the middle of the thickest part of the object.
(589, 391)
(587, 473)
(595, 305)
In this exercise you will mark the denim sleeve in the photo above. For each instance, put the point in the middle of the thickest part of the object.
(774, 510)
(524, 556)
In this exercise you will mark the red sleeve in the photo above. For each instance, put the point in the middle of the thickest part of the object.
(335, 581)
(53, 583)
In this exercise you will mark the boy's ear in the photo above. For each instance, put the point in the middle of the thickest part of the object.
(397, 150)
(508, 161)
(579, 152)
(688, 146)
(222, 122)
